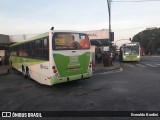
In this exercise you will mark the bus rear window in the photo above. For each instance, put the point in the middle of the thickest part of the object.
(70, 41)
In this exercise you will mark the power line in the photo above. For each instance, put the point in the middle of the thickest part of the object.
(129, 29)
(137, 28)
(137, 1)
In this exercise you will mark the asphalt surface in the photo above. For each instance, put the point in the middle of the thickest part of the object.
(135, 87)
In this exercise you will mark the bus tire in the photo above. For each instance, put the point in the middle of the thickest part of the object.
(28, 74)
(24, 72)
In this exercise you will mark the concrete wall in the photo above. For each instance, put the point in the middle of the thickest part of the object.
(98, 34)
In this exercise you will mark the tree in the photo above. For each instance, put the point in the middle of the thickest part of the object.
(149, 40)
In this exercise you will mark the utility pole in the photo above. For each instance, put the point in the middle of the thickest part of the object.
(109, 13)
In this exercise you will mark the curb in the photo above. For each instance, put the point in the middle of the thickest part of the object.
(104, 69)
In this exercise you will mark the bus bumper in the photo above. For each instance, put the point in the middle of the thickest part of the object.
(56, 80)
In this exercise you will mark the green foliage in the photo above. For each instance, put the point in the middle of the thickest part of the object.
(149, 40)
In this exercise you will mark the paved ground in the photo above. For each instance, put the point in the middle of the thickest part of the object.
(4, 69)
(136, 88)
(97, 68)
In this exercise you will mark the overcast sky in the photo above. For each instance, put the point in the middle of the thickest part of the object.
(37, 16)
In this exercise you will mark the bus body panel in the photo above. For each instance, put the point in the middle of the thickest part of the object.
(130, 52)
(131, 58)
(39, 69)
(68, 69)
(72, 65)
(69, 64)
(56, 80)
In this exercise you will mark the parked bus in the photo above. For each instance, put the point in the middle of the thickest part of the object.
(53, 57)
(130, 52)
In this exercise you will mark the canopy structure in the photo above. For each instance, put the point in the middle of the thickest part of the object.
(4, 42)
(100, 42)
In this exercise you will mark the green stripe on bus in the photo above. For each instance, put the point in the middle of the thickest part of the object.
(72, 65)
(18, 61)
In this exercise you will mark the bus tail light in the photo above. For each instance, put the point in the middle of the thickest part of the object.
(55, 71)
(90, 64)
(53, 67)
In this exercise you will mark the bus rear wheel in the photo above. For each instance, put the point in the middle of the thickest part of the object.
(23, 72)
(28, 74)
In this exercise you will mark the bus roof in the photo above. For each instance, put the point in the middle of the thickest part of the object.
(33, 38)
(44, 35)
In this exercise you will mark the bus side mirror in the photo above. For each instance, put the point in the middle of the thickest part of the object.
(52, 28)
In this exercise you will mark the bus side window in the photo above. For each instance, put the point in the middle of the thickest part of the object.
(17, 50)
(38, 48)
(25, 52)
(45, 43)
(31, 49)
(46, 48)
(28, 50)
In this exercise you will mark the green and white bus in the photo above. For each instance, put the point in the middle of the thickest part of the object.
(130, 52)
(53, 57)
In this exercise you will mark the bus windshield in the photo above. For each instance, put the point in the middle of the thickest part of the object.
(131, 50)
(70, 41)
